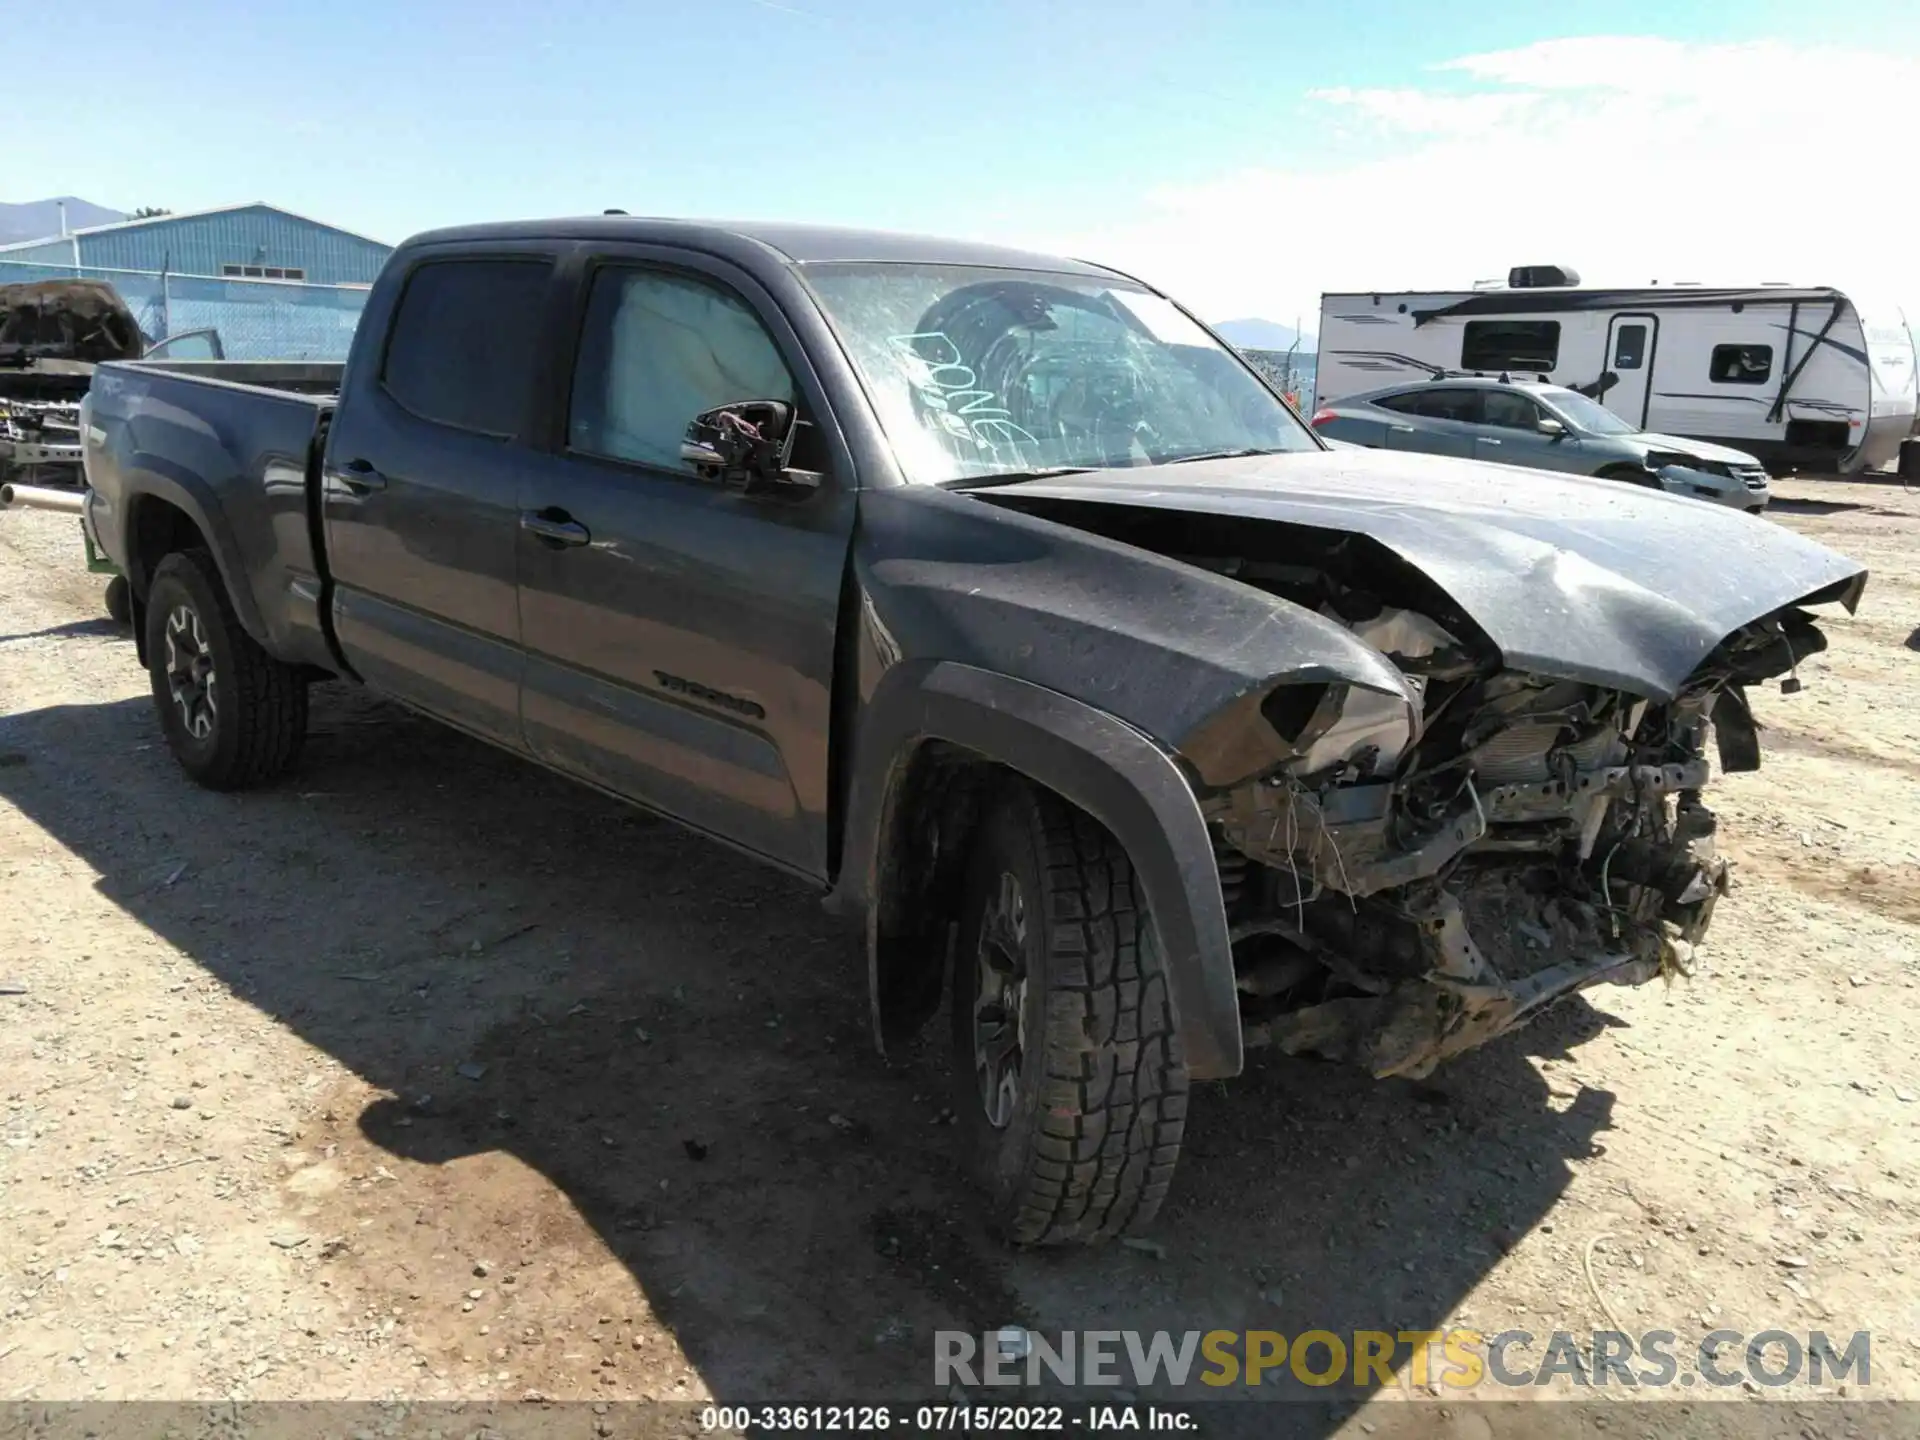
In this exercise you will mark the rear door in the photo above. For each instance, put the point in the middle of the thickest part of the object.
(681, 637)
(1631, 340)
(421, 489)
(1437, 421)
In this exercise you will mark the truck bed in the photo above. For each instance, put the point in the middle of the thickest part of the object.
(296, 377)
(196, 436)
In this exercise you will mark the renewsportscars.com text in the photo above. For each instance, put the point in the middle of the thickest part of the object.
(1462, 1360)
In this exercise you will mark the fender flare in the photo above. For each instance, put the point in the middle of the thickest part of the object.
(1093, 760)
(181, 494)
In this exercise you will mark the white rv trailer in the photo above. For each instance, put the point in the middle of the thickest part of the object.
(1800, 378)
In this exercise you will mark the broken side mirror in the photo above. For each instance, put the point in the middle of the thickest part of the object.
(748, 446)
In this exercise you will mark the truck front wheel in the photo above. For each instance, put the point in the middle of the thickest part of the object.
(233, 715)
(1071, 1087)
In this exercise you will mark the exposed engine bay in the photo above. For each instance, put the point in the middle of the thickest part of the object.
(1412, 884)
(52, 333)
(1408, 875)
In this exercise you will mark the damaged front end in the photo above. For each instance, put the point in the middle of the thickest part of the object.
(1421, 872)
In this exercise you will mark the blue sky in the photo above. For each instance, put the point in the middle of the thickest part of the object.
(1146, 128)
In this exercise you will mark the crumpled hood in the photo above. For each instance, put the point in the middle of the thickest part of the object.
(1699, 449)
(1589, 580)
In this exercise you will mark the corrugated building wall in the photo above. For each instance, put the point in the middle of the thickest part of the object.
(205, 244)
(273, 285)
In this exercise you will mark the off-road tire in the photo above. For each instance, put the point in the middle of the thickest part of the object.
(1094, 1132)
(259, 722)
(119, 600)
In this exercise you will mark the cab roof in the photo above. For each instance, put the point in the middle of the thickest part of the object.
(790, 243)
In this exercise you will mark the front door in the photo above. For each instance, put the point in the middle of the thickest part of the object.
(680, 637)
(421, 490)
(1630, 346)
(1510, 432)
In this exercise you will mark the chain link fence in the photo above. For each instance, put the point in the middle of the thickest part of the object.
(1291, 371)
(255, 319)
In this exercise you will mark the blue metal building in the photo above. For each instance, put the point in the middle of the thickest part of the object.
(269, 283)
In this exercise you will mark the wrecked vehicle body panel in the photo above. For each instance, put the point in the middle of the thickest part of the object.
(52, 333)
(1412, 857)
(1395, 899)
(1579, 578)
(1184, 655)
(1144, 648)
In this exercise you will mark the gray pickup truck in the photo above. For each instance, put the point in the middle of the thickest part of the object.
(995, 595)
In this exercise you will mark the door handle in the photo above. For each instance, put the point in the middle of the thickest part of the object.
(360, 476)
(553, 526)
(1401, 429)
(1485, 441)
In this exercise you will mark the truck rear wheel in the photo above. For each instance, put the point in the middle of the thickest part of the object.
(233, 715)
(1071, 1087)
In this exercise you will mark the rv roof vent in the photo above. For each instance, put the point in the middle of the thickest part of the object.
(1541, 277)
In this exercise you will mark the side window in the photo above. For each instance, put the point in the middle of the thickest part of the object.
(1529, 345)
(656, 350)
(188, 345)
(1460, 403)
(1510, 411)
(1740, 364)
(463, 341)
(1630, 347)
(1452, 403)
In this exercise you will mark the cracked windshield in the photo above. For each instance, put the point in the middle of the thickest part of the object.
(984, 373)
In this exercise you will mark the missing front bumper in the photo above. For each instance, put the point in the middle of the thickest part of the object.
(1413, 1027)
(1653, 904)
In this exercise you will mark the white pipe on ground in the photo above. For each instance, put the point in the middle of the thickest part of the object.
(41, 497)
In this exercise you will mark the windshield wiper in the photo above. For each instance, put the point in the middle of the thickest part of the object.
(1240, 454)
(1015, 477)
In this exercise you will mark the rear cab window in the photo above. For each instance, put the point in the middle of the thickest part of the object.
(464, 343)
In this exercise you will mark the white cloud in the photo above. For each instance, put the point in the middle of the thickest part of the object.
(1631, 159)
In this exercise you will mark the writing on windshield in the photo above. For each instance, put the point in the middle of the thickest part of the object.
(952, 395)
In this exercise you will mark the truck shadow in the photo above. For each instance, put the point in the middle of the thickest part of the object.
(103, 628)
(531, 975)
(1794, 505)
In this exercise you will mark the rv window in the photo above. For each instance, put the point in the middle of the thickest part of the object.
(1740, 364)
(1529, 345)
(1630, 347)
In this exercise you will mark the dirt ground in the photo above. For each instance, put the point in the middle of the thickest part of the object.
(428, 1076)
